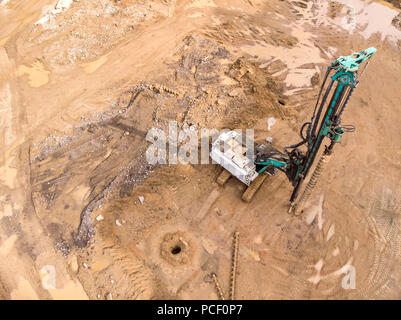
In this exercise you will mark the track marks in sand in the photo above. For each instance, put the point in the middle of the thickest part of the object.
(384, 222)
(138, 277)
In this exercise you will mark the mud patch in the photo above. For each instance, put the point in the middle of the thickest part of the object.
(37, 74)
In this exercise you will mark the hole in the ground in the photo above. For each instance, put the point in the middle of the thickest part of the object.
(176, 250)
(282, 102)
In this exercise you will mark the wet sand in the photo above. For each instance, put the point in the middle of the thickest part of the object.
(78, 93)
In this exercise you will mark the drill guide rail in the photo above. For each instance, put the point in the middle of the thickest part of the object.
(325, 122)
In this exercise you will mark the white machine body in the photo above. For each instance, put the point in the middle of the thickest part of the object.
(230, 151)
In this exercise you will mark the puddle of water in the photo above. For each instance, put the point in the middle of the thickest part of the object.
(300, 78)
(37, 74)
(330, 233)
(319, 265)
(315, 211)
(368, 18)
(91, 67)
(316, 278)
(359, 16)
(304, 52)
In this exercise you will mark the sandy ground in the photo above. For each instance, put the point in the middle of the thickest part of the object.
(80, 85)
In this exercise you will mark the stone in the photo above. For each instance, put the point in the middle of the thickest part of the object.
(254, 255)
(235, 92)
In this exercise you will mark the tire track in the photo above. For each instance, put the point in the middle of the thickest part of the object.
(383, 219)
(139, 278)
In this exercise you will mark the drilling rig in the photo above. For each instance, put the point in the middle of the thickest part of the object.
(231, 149)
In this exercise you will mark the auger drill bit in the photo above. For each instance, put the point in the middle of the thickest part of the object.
(217, 285)
(296, 208)
(233, 281)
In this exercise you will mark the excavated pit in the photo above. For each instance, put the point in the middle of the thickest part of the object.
(175, 249)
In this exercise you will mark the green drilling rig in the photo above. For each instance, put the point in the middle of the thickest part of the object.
(230, 149)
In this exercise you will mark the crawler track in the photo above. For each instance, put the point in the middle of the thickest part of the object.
(255, 185)
(223, 177)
